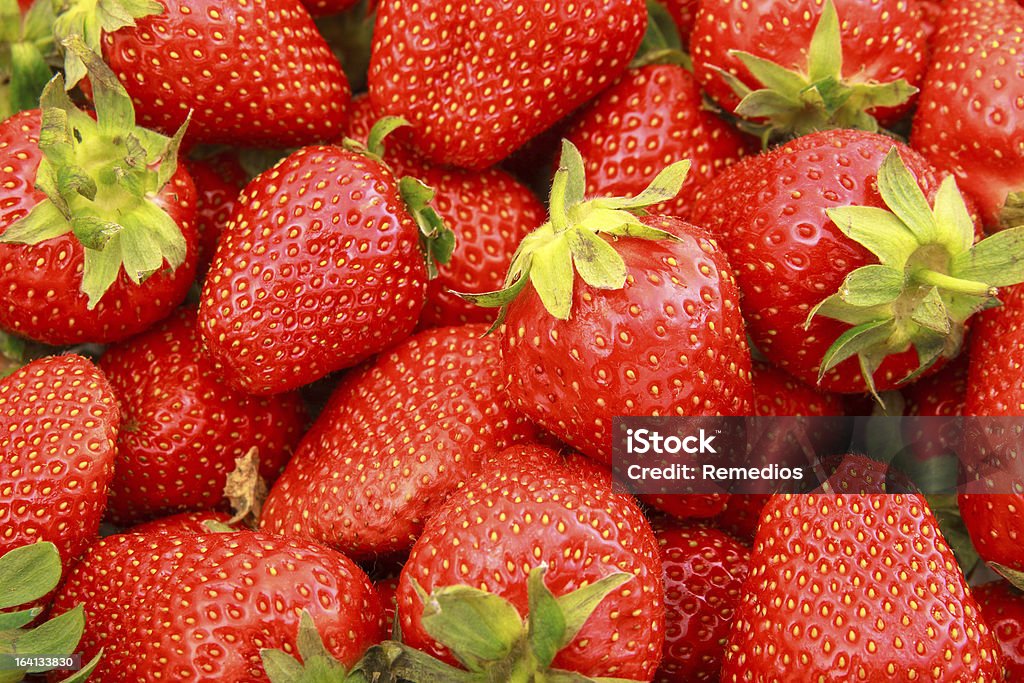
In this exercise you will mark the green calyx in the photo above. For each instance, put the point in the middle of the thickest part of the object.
(317, 664)
(101, 178)
(930, 278)
(26, 41)
(661, 43)
(27, 574)
(794, 102)
(90, 19)
(571, 238)
(487, 635)
(1012, 214)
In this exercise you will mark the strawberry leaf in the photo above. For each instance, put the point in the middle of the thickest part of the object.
(28, 573)
(903, 196)
(997, 260)
(436, 239)
(89, 19)
(581, 603)
(1012, 213)
(596, 261)
(881, 232)
(1014, 576)
(552, 277)
(825, 56)
(547, 625)
(872, 285)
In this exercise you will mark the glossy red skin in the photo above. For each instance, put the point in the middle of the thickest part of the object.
(1002, 606)
(704, 571)
(182, 523)
(996, 355)
(489, 211)
(848, 586)
(575, 525)
(788, 255)
(652, 117)
(931, 15)
(41, 283)
(398, 436)
(218, 182)
(779, 393)
(573, 376)
(742, 515)
(387, 590)
(684, 15)
(276, 81)
(230, 594)
(184, 426)
(970, 119)
(995, 525)
(58, 424)
(340, 272)
(494, 75)
(882, 40)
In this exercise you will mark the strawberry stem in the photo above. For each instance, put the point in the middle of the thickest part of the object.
(953, 284)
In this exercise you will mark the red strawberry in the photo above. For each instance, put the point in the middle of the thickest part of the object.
(58, 425)
(574, 538)
(387, 590)
(651, 117)
(319, 268)
(218, 182)
(97, 238)
(742, 515)
(852, 587)
(184, 427)
(1002, 607)
(971, 115)
(933, 405)
(182, 523)
(398, 436)
(704, 572)
(996, 356)
(232, 596)
(779, 393)
(651, 329)
(489, 211)
(801, 231)
(275, 82)
(491, 76)
(684, 16)
(797, 66)
(995, 525)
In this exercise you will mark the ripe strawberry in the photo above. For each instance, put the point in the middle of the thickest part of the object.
(97, 238)
(58, 425)
(276, 82)
(652, 329)
(742, 515)
(651, 117)
(494, 75)
(1002, 607)
(205, 607)
(996, 355)
(856, 587)
(888, 241)
(704, 571)
(993, 521)
(971, 115)
(218, 182)
(184, 426)
(319, 268)
(520, 563)
(182, 523)
(489, 211)
(387, 590)
(779, 393)
(796, 66)
(397, 437)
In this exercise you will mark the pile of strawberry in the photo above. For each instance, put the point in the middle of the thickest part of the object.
(226, 282)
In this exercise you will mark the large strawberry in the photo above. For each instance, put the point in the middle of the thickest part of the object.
(97, 239)
(971, 115)
(796, 66)
(1002, 607)
(996, 356)
(251, 73)
(184, 427)
(856, 587)
(320, 268)
(477, 80)
(398, 436)
(572, 580)
(858, 278)
(212, 607)
(651, 327)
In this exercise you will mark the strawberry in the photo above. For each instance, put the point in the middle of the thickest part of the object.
(971, 114)
(491, 76)
(233, 596)
(276, 82)
(218, 182)
(184, 427)
(856, 587)
(796, 66)
(860, 279)
(778, 393)
(996, 355)
(387, 589)
(652, 329)
(704, 571)
(489, 211)
(58, 425)
(96, 222)
(684, 16)
(397, 437)
(649, 118)
(742, 515)
(182, 523)
(993, 521)
(1002, 606)
(319, 268)
(571, 581)
(319, 8)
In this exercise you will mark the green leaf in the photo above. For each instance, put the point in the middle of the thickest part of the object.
(929, 347)
(101, 270)
(409, 664)
(665, 186)
(1012, 575)
(771, 75)
(58, 636)
(576, 177)
(901, 193)
(83, 674)
(997, 260)
(596, 261)
(547, 625)
(872, 285)
(956, 229)
(931, 313)
(28, 573)
(552, 276)
(380, 130)
(281, 667)
(309, 642)
(436, 239)
(855, 342)
(10, 621)
(825, 57)
(89, 19)
(29, 75)
(114, 112)
(160, 227)
(767, 104)
(93, 232)
(43, 222)
(141, 255)
(879, 231)
(639, 231)
(581, 603)
(662, 33)
(1012, 213)
(169, 155)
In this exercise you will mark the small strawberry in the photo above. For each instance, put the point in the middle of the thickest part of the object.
(184, 427)
(218, 182)
(233, 597)
(275, 82)
(856, 587)
(397, 437)
(1002, 607)
(971, 115)
(97, 234)
(493, 75)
